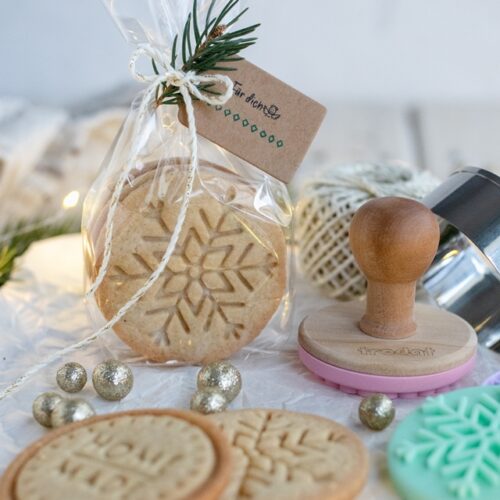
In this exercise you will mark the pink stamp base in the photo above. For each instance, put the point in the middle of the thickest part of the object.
(364, 384)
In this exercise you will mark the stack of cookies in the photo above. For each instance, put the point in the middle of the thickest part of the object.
(224, 281)
(169, 454)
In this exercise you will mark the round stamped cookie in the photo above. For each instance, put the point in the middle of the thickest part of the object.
(286, 455)
(223, 283)
(157, 454)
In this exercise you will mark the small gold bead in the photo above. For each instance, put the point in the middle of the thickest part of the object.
(376, 411)
(68, 411)
(222, 376)
(208, 401)
(43, 406)
(71, 377)
(112, 379)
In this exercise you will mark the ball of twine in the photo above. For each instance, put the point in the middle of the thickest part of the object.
(324, 212)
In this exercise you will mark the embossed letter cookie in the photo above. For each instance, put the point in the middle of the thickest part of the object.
(224, 281)
(292, 456)
(132, 455)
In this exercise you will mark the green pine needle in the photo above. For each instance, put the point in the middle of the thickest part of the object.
(24, 234)
(204, 51)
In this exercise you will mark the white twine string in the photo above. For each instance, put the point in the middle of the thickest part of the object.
(187, 83)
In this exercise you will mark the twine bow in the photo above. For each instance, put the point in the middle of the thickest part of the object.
(188, 85)
(187, 82)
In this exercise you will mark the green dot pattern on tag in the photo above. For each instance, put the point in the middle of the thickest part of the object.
(271, 139)
(449, 448)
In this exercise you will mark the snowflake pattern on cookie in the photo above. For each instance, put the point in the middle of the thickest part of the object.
(285, 455)
(223, 282)
(203, 268)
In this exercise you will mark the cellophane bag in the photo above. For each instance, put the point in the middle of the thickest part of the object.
(227, 277)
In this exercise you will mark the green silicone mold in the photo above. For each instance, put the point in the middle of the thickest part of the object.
(449, 448)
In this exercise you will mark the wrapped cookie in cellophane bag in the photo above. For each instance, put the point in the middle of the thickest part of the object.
(186, 227)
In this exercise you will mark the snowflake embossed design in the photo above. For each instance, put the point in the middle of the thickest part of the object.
(290, 455)
(199, 281)
(460, 441)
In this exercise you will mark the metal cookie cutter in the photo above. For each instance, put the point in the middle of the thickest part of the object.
(465, 275)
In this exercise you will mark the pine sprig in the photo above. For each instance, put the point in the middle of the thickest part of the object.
(205, 50)
(23, 235)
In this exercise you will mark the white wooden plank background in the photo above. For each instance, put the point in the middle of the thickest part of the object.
(361, 133)
(453, 136)
(441, 137)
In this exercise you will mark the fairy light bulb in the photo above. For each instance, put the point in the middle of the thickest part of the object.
(71, 200)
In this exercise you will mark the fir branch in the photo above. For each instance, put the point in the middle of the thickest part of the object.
(196, 30)
(22, 235)
(174, 51)
(205, 51)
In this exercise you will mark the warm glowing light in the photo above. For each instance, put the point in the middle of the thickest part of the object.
(71, 199)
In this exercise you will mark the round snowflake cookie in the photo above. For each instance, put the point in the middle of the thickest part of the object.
(130, 455)
(449, 448)
(222, 284)
(283, 455)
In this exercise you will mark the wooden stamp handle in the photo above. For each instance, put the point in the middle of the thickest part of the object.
(394, 241)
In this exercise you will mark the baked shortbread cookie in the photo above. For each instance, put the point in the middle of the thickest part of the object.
(224, 281)
(283, 455)
(133, 455)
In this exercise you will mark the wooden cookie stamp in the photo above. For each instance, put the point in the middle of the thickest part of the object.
(395, 346)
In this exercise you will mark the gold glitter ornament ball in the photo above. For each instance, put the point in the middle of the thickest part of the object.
(222, 376)
(43, 406)
(376, 411)
(208, 401)
(112, 379)
(68, 411)
(71, 377)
